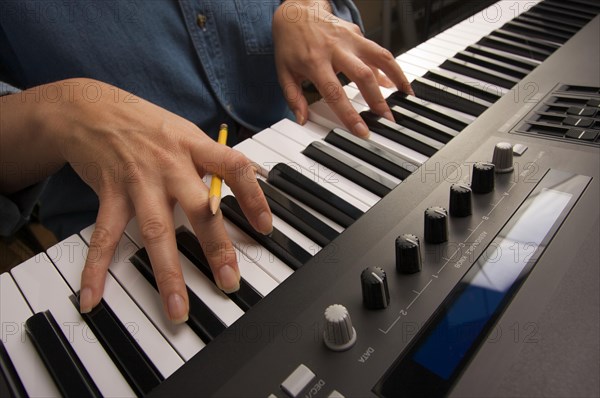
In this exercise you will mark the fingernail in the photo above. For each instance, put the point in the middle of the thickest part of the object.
(229, 280)
(177, 308)
(361, 130)
(388, 115)
(85, 300)
(299, 117)
(265, 223)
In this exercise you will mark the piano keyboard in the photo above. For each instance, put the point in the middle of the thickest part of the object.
(319, 180)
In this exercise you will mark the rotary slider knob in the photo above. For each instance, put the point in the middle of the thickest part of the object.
(436, 225)
(460, 200)
(503, 157)
(339, 334)
(482, 180)
(408, 254)
(375, 292)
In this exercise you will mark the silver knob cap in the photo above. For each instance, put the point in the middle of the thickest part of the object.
(503, 157)
(339, 333)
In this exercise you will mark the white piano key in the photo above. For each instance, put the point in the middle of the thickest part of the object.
(328, 180)
(249, 270)
(416, 61)
(252, 250)
(221, 305)
(181, 337)
(291, 149)
(69, 258)
(14, 311)
(437, 50)
(321, 114)
(44, 289)
(315, 213)
(455, 39)
(414, 70)
(304, 138)
(254, 275)
(449, 48)
(428, 56)
(301, 240)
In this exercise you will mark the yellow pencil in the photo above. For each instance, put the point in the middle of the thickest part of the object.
(214, 196)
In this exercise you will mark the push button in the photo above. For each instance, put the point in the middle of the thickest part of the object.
(297, 381)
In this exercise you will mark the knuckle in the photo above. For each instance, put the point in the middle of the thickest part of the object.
(363, 72)
(102, 241)
(168, 276)
(386, 55)
(218, 251)
(153, 229)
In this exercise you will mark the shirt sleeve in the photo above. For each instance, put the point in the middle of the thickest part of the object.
(346, 9)
(15, 209)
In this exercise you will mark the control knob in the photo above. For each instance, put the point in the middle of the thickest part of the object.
(482, 180)
(460, 200)
(503, 157)
(408, 254)
(436, 225)
(339, 334)
(375, 292)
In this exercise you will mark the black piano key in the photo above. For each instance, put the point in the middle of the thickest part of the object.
(201, 319)
(541, 44)
(432, 111)
(557, 28)
(503, 56)
(524, 50)
(479, 72)
(422, 125)
(431, 91)
(126, 354)
(10, 383)
(297, 216)
(349, 168)
(468, 88)
(277, 243)
(372, 153)
(189, 245)
(393, 131)
(63, 364)
(589, 9)
(493, 64)
(551, 18)
(536, 31)
(312, 194)
(564, 13)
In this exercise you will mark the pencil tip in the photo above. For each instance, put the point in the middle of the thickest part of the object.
(213, 203)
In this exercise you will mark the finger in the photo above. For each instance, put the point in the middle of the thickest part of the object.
(192, 194)
(155, 219)
(113, 216)
(294, 96)
(377, 56)
(366, 81)
(382, 79)
(333, 94)
(240, 174)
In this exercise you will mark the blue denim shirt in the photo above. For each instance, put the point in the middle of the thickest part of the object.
(207, 61)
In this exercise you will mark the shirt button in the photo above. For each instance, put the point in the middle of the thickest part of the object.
(201, 21)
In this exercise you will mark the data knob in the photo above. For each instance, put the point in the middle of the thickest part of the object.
(408, 254)
(503, 157)
(460, 200)
(482, 180)
(375, 291)
(339, 333)
(436, 225)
